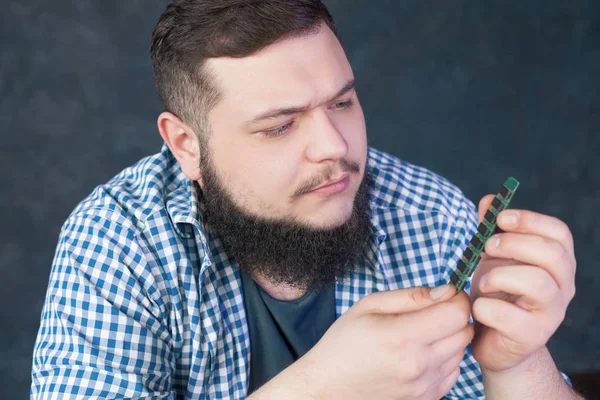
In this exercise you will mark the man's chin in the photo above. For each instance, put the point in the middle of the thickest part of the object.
(327, 218)
(329, 223)
(321, 222)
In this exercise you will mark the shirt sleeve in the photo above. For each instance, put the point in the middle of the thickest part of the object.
(102, 332)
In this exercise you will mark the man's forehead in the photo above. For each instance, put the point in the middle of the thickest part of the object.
(271, 113)
(291, 73)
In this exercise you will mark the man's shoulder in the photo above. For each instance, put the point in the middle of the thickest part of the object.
(135, 193)
(398, 184)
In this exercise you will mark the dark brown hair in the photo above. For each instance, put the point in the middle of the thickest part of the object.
(191, 31)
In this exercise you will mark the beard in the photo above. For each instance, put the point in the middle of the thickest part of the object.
(284, 250)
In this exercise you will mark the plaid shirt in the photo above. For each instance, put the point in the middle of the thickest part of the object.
(143, 301)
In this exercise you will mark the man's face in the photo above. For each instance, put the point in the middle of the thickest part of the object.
(269, 166)
(258, 175)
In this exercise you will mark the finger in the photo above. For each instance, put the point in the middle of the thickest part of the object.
(438, 321)
(451, 365)
(447, 383)
(535, 285)
(510, 321)
(447, 348)
(429, 383)
(534, 250)
(530, 222)
(484, 205)
(440, 380)
(404, 300)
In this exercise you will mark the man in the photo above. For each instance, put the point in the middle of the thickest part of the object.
(268, 252)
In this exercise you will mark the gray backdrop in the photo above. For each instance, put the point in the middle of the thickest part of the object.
(475, 91)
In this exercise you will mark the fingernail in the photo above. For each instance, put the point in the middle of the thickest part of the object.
(483, 281)
(493, 242)
(439, 291)
(509, 218)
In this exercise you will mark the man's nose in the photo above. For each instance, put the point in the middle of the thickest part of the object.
(326, 141)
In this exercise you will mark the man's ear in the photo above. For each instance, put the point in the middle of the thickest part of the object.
(183, 142)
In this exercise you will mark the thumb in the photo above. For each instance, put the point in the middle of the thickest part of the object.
(484, 204)
(404, 300)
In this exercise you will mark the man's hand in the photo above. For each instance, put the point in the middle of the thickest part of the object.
(392, 345)
(521, 288)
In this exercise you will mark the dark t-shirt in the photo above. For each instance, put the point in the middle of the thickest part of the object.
(283, 331)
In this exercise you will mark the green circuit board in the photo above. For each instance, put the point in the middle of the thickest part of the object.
(472, 254)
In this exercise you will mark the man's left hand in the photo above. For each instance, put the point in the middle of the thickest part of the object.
(522, 286)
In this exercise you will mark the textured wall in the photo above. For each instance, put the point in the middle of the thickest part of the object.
(475, 91)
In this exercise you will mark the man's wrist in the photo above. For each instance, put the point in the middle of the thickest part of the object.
(525, 366)
(536, 377)
(301, 380)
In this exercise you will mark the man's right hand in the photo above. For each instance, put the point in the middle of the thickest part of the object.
(395, 345)
(399, 344)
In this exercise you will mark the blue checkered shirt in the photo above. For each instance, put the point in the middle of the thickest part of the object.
(143, 302)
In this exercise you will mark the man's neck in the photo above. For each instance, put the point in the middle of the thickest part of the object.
(280, 291)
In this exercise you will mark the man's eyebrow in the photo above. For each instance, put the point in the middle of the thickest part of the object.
(277, 112)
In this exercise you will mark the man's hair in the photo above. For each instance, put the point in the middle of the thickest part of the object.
(191, 31)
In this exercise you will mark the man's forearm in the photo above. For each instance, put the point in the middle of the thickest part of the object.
(296, 382)
(536, 378)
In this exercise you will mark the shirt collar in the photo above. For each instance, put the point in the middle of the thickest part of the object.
(377, 236)
(181, 196)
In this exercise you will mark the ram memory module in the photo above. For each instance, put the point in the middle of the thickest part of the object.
(472, 254)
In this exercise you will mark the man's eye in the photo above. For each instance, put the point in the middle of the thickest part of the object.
(283, 129)
(278, 131)
(342, 105)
